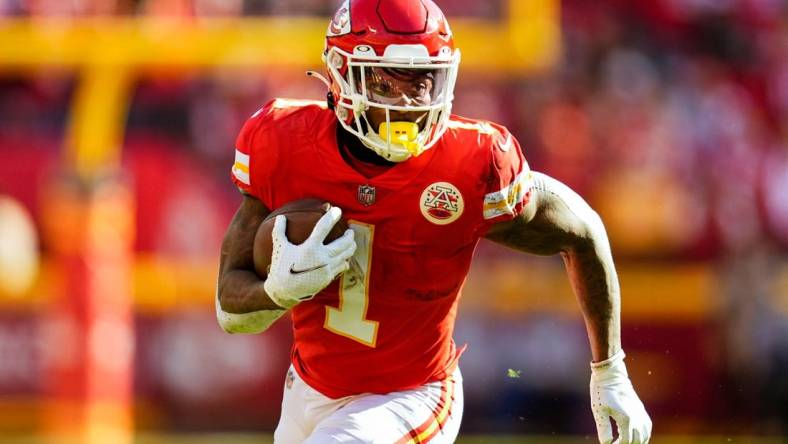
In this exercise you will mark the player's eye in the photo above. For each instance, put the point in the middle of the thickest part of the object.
(424, 86)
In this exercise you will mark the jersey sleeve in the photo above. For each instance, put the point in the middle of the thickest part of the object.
(255, 154)
(510, 181)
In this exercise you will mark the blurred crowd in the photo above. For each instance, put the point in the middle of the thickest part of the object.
(670, 116)
(210, 8)
(679, 110)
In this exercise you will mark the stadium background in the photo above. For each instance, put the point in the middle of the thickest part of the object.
(117, 124)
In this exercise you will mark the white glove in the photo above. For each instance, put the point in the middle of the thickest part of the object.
(298, 272)
(612, 394)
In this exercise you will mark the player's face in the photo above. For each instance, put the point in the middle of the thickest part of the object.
(399, 87)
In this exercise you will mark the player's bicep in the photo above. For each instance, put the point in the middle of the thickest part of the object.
(238, 243)
(554, 220)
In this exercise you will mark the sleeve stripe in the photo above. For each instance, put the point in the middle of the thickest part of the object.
(241, 158)
(241, 167)
(505, 201)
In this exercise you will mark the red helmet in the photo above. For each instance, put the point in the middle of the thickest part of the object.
(394, 55)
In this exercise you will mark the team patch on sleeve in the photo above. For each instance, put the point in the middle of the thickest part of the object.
(506, 201)
(241, 167)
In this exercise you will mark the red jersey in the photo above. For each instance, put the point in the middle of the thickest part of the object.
(387, 324)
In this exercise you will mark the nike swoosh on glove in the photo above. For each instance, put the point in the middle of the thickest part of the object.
(612, 395)
(298, 272)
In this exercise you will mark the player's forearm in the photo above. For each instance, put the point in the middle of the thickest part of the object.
(558, 220)
(592, 274)
(239, 288)
(242, 305)
(241, 291)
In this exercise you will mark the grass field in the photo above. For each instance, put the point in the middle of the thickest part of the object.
(211, 438)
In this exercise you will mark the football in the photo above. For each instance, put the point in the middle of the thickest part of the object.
(302, 215)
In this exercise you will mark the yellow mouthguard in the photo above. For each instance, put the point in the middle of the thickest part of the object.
(402, 133)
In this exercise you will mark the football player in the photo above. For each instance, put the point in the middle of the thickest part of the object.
(373, 360)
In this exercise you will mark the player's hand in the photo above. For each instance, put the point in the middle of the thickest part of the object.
(298, 272)
(612, 395)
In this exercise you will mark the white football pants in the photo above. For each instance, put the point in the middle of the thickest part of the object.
(427, 414)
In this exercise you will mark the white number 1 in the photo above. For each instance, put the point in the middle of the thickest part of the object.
(350, 319)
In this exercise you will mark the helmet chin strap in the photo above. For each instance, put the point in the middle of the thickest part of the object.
(396, 152)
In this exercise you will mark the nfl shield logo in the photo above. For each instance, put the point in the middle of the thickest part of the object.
(366, 195)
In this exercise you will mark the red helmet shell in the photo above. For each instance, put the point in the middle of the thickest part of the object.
(379, 23)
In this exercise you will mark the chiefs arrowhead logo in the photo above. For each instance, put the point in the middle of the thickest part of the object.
(340, 24)
(441, 203)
